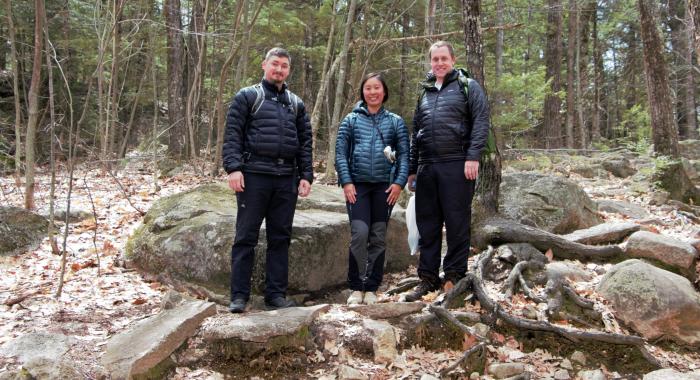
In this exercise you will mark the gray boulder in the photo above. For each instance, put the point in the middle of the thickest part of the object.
(143, 350)
(606, 233)
(551, 203)
(676, 254)
(75, 215)
(41, 355)
(623, 208)
(388, 310)
(654, 302)
(619, 167)
(189, 235)
(20, 230)
(671, 374)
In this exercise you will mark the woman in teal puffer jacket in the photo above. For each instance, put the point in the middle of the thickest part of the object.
(371, 159)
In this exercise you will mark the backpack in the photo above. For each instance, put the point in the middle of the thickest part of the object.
(260, 97)
(464, 80)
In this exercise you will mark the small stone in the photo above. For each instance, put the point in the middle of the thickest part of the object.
(579, 357)
(562, 374)
(474, 376)
(428, 377)
(566, 364)
(595, 374)
(481, 329)
(348, 373)
(504, 370)
(170, 300)
(530, 312)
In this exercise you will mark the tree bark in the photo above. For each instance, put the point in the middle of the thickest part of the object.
(694, 12)
(176, 109)
(33, 113)
(485, 203)
(665, 135)
(15, 88)
(114, 87)
(571, 94)
(552, 126)
(340, 90)
(597, 80)
(325, 79)
(196, 84)
(691, 126)
(499, 41)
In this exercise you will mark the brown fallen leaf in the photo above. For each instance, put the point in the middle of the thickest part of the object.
(549, 254)
(139, 301)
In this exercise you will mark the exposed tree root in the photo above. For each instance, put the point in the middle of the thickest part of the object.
(477, 348)
(497, 230)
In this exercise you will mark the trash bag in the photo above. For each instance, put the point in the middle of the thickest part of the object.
(413, 235)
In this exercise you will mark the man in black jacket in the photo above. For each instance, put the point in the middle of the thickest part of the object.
(450, 131)
(267, 155)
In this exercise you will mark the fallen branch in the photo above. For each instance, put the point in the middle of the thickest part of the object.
(465, 357)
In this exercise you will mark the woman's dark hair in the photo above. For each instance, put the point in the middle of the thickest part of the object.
(380, 78)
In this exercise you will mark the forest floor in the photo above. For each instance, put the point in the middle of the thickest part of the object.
(101, 298)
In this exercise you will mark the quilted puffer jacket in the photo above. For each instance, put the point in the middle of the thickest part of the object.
(359, 148)
(448, 127)
(273, 140)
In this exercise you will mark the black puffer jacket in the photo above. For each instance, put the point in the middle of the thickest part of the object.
(271, 141)
(448, 127)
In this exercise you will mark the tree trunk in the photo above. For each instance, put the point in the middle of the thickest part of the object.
(499, 41)
(33, 117)
(694, 11)
(325, 79)
(690, 110)
(672, 177)
(340, 90)
(570, 75)
(403, 77)
(597, 80)
(176, 109)
(587, 15)
(196, 84)
(485, 204)
(114, 88)
(15, 89)
(552, 126)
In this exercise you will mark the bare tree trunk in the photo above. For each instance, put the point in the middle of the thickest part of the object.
(325, 79)
(176, 109)
(52, 137)
(552, 126)
(597, 80)
(485, 202)
(113, 105)
(691, 115)
(570, 75)
(430, 7)
(403, 77)
(34, 90)
(664, 131)
(694, 12)
(242, 66)
(340, 90)
(196, 85)
(499, 41)
(15, 89)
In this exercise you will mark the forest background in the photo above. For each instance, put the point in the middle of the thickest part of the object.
(105, 77)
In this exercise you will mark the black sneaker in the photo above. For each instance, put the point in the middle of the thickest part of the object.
(237, 305)
(278, 303)
(419, 291)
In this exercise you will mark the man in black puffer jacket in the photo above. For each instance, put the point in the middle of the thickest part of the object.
(450, 131)
(267, 155)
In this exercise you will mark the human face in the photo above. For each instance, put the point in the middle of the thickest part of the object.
(276, 69)
(373, 92)
(441, 62)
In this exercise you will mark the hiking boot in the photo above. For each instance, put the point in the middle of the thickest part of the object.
(355, 298)
(419, 291)
(370, 298)
(237, 305)
(278, 303)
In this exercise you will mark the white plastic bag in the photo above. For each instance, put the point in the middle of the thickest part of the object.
(413, 235)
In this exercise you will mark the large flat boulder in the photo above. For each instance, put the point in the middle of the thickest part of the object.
(672, 374)
(606, 233)
(142, 349)
(189, 235)
(654, 302)
(20, 230)
(676, 254)
(547, 202)
(627, 209)
(41, 355)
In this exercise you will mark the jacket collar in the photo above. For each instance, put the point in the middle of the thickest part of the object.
(430, 79)
(271, 87)
(361, 107)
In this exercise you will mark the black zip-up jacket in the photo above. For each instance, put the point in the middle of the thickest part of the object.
(271, 141)
(446, 126)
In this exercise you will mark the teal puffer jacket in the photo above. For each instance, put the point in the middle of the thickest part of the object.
(359, 150)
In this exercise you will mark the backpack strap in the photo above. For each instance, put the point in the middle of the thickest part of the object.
(259, 98)
(293, 101)
(465, 80)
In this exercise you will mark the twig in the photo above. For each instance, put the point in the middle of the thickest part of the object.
(94, 215)
(128, 199)
(464, 358)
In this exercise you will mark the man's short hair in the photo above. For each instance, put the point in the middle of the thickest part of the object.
(278, 52)
(440, 44)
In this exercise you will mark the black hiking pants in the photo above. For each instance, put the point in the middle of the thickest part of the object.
(368, 224)
(274, 199)
(443, 196)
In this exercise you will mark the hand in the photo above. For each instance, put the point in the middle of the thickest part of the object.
(394, 191)
(412, 182)
(304, 188)
(236, 182)
(471, 169)
(350, 193)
